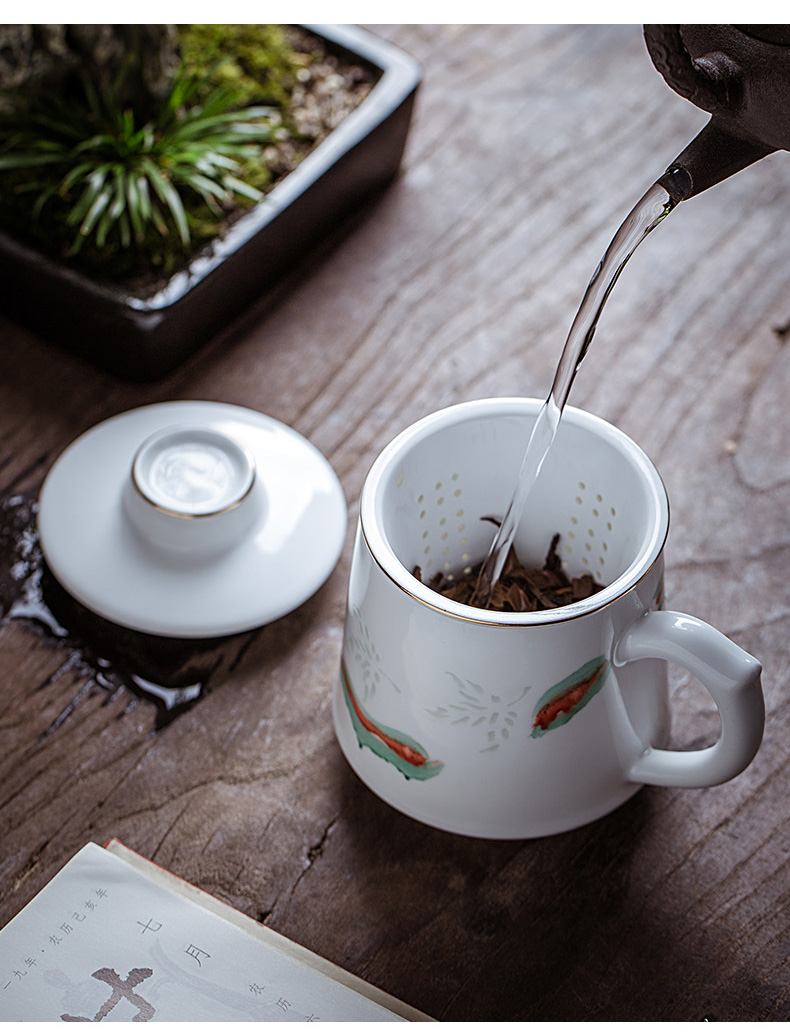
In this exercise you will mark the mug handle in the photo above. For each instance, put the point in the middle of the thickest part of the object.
(730, 675)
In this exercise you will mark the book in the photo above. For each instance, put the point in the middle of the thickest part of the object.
(115, 937)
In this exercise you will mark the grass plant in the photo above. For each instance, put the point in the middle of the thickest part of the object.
(82, 176)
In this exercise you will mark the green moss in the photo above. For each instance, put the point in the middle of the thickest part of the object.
(257, 60)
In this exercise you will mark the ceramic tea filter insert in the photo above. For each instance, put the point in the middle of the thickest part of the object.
(191, 519)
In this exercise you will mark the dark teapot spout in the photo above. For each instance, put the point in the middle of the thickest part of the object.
(712, 156)
(741, 75)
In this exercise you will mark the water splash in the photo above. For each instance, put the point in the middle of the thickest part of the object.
(173, 674)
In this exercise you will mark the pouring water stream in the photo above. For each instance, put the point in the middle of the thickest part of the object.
(644, 217)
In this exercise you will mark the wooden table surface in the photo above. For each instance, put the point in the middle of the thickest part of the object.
(528, 146)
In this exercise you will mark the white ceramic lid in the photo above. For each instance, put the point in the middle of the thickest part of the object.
(191, 519)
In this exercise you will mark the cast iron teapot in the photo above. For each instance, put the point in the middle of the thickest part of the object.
(741, 75)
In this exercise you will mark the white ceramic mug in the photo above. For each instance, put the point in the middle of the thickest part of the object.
(517, 725)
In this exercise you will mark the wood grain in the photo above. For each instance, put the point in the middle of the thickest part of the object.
(529, 145)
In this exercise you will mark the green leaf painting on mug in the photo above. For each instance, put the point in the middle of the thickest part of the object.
(406, 754)
(564, 699)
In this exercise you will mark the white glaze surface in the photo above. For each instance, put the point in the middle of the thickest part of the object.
(294, 539)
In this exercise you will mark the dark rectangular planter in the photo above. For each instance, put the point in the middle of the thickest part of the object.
(142, 338)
